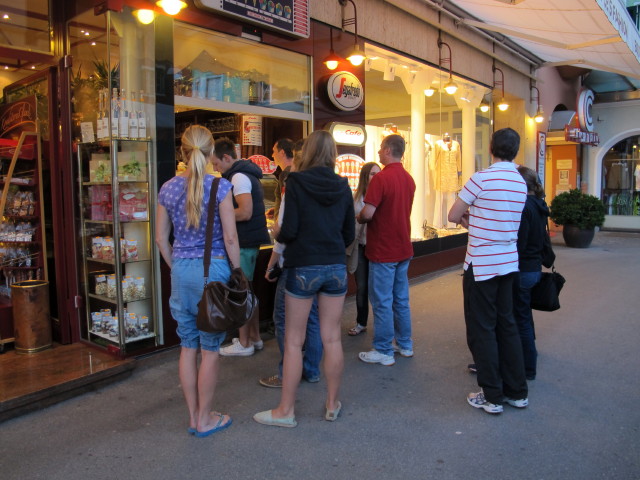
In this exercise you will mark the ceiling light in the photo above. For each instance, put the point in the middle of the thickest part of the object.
(429, 91)
(5, 16)
(450, 87)
(332, 60)
(145, 16)
(503, 105)
(539, 118)
(33, 67)
(93, 44)
(6, 67)
(389, 73)
(171, 7)
(86, 34)
(356, 56)
(484, 106)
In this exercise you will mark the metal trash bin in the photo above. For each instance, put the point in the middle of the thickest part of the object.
(31, 318)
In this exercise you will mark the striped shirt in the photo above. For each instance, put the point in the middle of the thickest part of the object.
(497, 196)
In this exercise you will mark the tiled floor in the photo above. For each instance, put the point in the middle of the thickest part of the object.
(30, 381)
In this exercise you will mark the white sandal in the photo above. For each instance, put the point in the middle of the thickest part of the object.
(357, 330)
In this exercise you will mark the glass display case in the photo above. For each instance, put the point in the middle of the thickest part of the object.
(118, 254)
(621, 178)
(113, 112)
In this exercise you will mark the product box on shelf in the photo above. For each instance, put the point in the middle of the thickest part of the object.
(100, 200)
(99, 168)
(132, 166)
(134, 204)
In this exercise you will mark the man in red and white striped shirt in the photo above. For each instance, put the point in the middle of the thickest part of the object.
(490, 206)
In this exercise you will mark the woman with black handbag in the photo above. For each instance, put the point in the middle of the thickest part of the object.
(531, 240)
(182, 205)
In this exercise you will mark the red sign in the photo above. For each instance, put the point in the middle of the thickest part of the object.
(574, 134)
(265, 163)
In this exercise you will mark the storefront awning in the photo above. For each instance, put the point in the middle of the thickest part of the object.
(595, 34)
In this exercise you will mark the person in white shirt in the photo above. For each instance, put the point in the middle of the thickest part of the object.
(490, 205)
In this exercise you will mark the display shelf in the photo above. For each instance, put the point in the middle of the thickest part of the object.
(114, 339)
(126, 242)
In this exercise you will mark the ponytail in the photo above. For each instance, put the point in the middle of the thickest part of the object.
(197, 143)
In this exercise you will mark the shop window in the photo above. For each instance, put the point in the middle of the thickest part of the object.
(621, 178)
(231, 73)
(404, 96)
(26, 25)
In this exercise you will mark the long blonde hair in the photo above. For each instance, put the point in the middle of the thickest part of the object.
(319, 150)
(197, 145)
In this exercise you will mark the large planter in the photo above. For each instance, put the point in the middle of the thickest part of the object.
(577, 237)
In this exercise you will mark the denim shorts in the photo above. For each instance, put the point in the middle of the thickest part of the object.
(248, 257)
(187, 284)
(305, 282)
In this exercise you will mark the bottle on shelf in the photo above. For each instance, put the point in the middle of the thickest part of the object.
(115, 114)
(99, 123)
(123, 129)
(133, 118)
(142, 118)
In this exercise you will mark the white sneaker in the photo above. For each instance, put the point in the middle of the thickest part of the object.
(477, 400)
(375, 356)
(259, 345)
(237, 350)
(520, 403)
(404, 352)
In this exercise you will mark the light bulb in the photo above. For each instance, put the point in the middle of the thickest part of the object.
(484, 107)
(356, 57)
(171, 7)
(429, 91)
(539, 118)
(451, 87)
(503, 105)
(145, 16)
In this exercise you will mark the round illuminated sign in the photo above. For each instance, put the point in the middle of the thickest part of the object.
(585, 104)
(345, 91)
(348, 134)
(349, 165)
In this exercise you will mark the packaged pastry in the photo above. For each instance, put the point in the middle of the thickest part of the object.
(139, 288)
(101, 285)
(111, 286)
(131, 250)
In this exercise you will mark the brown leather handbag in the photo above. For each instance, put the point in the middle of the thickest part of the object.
(224, 306)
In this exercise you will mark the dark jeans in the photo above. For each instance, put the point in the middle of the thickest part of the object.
(492, 336)
(522, 286)
(362, 282)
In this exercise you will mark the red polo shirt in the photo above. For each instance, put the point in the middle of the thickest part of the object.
(389, 232)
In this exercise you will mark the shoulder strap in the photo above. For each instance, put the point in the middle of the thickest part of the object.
(208, 239)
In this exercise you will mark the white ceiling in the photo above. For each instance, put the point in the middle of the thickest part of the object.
(561, 32)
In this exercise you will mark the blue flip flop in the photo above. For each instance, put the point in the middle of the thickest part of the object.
(219, 426)
(192, 431)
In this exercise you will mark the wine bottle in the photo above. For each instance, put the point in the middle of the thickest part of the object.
(115, 114)
(124, 115)
(142, 118)
(133, 118)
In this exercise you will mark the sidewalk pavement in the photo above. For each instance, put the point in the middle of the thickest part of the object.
(407, 421)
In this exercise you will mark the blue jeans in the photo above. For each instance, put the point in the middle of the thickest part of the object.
(522, 286)
(362, 293)
(313, 344)
(389, 295)
(187, 284)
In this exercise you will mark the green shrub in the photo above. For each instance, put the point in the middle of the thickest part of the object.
(579, 209)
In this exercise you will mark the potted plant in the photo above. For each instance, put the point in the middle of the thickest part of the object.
(579, 213)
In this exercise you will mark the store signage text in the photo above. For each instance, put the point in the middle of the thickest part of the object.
(348, 134)
(18, 114)
(345, 91)
(621, 21)
(574, 134)
(288, 16)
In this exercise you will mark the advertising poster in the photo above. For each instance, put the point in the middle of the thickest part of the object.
(252, 130)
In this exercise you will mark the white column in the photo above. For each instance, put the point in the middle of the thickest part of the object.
(418, 168)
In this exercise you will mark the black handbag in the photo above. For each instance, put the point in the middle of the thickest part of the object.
(224, 306)
(548, 256)
(545, 295)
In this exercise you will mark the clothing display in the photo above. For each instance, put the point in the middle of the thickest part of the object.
(446, 165)
(618, 176)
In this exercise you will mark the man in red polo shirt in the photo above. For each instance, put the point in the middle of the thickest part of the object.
(387, 211)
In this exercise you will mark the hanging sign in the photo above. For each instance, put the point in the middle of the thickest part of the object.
(288, 16)
(348, 134)
(349, 165)
(542, 154)
(345, 91)
(585, 105)
(252, 130)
